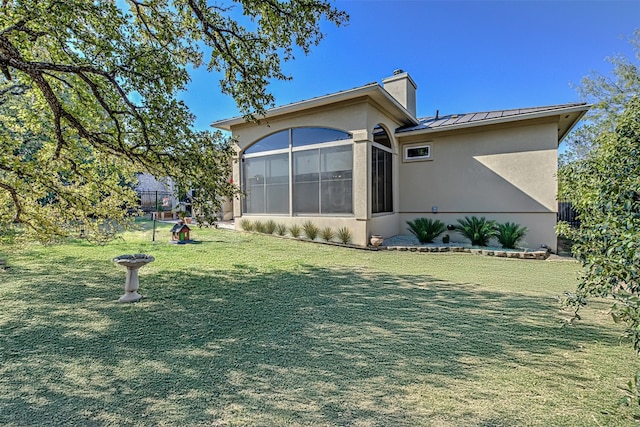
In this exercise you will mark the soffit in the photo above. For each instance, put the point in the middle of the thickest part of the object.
(567, 116)
(372, 91)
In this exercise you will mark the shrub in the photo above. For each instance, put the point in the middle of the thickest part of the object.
(509, 234)
(246, 225)
(344, 235)
(258, 226)
(327, 234)
(310, 230)
(281, 229)
(478, 230)
(270, 227)
(295, 231)
(426, 229)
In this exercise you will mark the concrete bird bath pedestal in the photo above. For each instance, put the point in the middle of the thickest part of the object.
(133, 264)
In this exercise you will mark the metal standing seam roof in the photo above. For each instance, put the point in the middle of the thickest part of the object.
(442, 122)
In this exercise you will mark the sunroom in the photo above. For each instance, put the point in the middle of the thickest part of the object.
(329, 160)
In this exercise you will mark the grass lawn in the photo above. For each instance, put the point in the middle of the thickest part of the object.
(243, 329)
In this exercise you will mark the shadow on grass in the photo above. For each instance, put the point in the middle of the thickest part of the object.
(240, 347)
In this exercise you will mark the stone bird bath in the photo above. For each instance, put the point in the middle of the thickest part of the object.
(133, 264)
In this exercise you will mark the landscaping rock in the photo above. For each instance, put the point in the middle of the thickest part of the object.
(542, 255)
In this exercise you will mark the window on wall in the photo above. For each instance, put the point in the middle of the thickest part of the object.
(381, 172)
(267, 184)
(417, 152)
(323, 181)
(321, 160)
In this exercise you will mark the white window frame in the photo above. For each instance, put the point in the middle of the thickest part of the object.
(290, 150)
(406, 148)
(390, 151)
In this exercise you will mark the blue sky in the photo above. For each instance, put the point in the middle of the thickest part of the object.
(465, 56)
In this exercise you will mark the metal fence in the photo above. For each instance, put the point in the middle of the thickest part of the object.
(155, 201)
(568, 214)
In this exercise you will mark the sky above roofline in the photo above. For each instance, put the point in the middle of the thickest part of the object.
(465, 56)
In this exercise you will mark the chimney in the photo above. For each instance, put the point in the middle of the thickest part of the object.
(402, 87)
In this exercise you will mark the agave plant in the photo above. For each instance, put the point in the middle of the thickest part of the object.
(327, 234)
(478, 230)
(344, 235)
(281, 229)
(295, 231)
(270, 226)
(509, 234)
(258, 226)
(426, 229)
(246, 225)
(310, 230)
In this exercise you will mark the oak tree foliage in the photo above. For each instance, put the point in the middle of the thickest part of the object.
(608, 93)
(600, 176)
(89, 95)
(605, 191)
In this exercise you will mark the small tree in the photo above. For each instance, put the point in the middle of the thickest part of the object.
(605, 191)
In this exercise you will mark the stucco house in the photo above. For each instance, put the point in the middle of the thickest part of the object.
(361, 158)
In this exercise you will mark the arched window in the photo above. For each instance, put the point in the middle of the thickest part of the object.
(381, 172)
(321, 163)
(275, 141)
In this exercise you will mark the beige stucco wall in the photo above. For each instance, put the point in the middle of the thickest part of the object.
(358, 228)
(540, 226)
(502, 173)
(358, 117)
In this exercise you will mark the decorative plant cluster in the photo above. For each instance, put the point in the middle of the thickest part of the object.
(478, 230)
(308, 230)
(426, 229)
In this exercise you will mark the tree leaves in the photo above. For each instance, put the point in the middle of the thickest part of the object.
(609, 96)
(88, 97)
(603, 189)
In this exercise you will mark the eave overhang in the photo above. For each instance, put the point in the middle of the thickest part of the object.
(372, 91)
(568, 115)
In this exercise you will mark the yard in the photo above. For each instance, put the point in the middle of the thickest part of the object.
(242, 329)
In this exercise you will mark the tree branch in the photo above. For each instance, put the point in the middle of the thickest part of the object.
(16, 200)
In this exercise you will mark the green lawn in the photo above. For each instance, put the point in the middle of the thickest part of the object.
(243, 329)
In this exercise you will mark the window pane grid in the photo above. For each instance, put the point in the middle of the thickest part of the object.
(321, 179)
